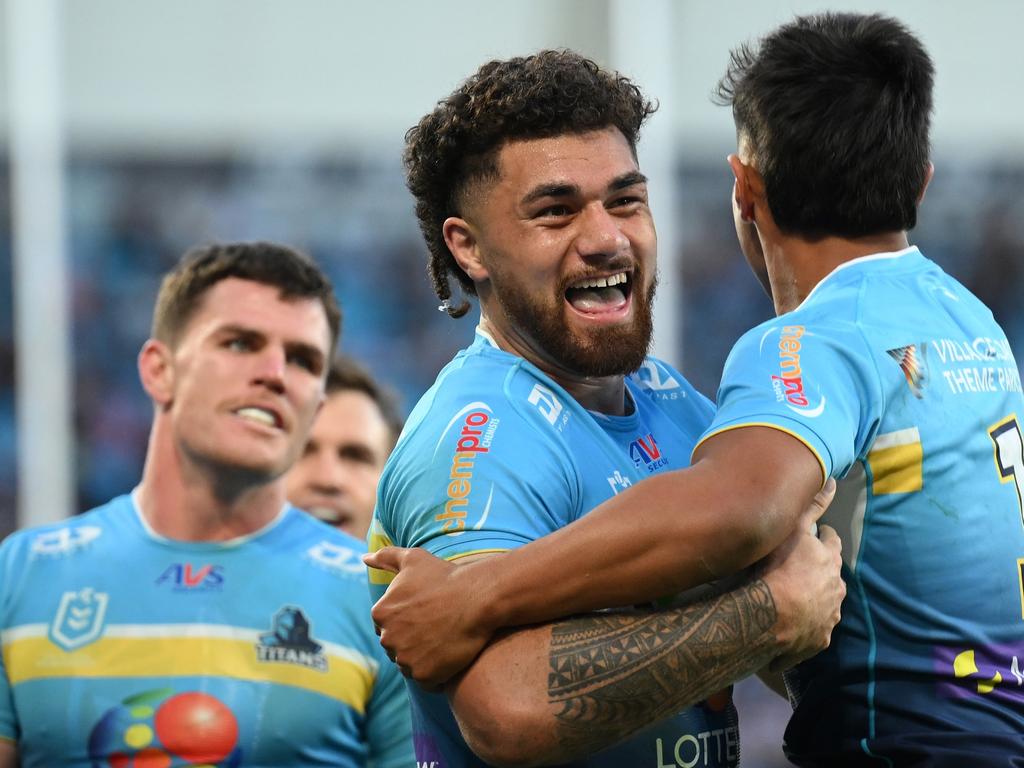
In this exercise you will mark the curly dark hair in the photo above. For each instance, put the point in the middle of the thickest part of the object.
(295, 274)
(836, 108)
(533, 97)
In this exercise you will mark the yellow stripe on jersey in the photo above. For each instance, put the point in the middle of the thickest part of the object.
(770, 425)
(475, 552)
(377, 541)
(895, 459)
(36, 658)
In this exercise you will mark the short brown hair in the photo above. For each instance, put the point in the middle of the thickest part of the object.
(294, 273)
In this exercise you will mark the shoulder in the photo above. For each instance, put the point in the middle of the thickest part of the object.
(334, 555)
(491, 399)
(664, 384)
(74, 536)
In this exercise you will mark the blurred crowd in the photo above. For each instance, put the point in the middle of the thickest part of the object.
(130, 219)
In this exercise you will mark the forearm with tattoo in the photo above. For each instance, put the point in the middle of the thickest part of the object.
(612, 674)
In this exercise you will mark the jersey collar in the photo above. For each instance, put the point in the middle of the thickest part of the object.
(886, 256)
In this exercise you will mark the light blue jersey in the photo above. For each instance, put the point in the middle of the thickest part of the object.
(122, 648)
(900, 382)
(495, 455)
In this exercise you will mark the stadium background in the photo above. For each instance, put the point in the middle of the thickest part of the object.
(133, 129)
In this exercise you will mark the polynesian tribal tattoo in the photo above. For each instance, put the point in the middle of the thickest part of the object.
(614, 673)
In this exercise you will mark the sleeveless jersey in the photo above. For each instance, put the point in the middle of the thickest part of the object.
(901, 383)
(495, 455)
(124, 648)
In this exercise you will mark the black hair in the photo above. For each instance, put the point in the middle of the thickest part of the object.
(547, 94)
(836, 110)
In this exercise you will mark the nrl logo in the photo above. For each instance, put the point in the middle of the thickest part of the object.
(80, 617)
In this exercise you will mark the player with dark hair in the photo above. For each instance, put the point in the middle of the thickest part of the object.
(881, 370)
(452, 153)
(335, 478)
(529, 192)
(201, 619)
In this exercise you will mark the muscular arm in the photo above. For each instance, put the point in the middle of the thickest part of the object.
(556, 705)
(673, 531)
(554, 693)
(737, 503)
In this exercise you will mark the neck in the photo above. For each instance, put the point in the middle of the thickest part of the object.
(604, 394)
(184, 500)
(796, 266)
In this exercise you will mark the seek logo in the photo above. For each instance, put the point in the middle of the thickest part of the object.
(186, 577)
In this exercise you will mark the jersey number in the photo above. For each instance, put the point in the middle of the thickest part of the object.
(1009, 455)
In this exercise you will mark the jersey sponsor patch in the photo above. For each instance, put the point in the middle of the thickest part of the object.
(335, 557)
(289, 641)
(644, 452)
(64, 541)
(913, 361)
(156, 726)
(477, 426)
(80, 618)
(990, 671)
(659, 383)
(979, 365)
(788, 383)
(189, 577)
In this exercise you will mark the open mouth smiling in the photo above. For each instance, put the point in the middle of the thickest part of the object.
(596, 295)
(264, 416)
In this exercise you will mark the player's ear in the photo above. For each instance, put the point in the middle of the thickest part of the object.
(461, 239)
(747, 187)
(156, 371)
(927, 180)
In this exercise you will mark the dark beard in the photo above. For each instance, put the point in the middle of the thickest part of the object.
(610, 352)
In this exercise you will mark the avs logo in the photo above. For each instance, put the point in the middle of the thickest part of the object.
(789, 383)
(289, 642)
(478, 426)
(80, 618)
(64, 541)
(644, 451)
(912, 360)
(184, 577)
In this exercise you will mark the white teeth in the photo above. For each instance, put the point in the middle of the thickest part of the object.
(258, 415)
(602, 282)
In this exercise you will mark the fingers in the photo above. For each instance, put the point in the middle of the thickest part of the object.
(811, 515)
(828, 536)
(386, 559)
(822, 499)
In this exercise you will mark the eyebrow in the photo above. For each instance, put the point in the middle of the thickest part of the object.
(234, 329)
(550, 190)
(561, 189)
(627, 180)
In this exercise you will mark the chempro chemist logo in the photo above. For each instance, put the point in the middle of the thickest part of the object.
(789, 382)
(477, 425)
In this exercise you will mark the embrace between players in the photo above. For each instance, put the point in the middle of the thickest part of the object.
(589, 552)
